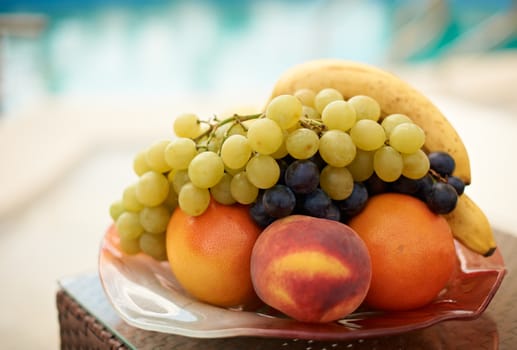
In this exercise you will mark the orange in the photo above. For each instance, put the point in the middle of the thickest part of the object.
(210, 254)
(411, 249)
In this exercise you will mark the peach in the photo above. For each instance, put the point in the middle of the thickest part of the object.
(311, 269)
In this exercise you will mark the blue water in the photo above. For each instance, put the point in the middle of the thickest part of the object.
(156, 47)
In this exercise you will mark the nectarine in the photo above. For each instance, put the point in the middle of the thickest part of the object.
(311, 269)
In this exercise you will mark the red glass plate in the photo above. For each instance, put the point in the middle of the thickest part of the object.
(146, 295)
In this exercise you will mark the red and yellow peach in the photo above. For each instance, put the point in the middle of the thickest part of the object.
(313, 270)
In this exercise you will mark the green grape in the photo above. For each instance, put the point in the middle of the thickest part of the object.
(368, 135)
(130, 246)
(214, 144)
(180, 152)
(235, 129)
(116, 208)
(172, 198)
(387, 163)
(228, 129)
(204, 128)
(222, 130)
(155, 219)
(193, 200)
(128, 225)
(311, 113)
(153, 245)
(302, 143)
(324, 97)
(222, 192)
(338, 115)
(187, 125)
(291, 129)
(206, 169)
(233, 172)
(361, 167)
(281, 152)
(170, 174)
(180, 178)
(263, 171)
(285, 110)
(236, 151)
(140, 165)
(155, 156)
(416, 165)
(407, 138)
(130, 201)
(366, 107)
(242, 189)
(306, 96)
(152, 189)
(392, 120)
(337, 148)
(338, 183)
(265, 136)
(216, 140)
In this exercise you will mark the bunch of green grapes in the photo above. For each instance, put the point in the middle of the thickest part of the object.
(234, 160)
(143, 212)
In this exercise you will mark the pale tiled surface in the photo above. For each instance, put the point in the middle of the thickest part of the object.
(65, 161)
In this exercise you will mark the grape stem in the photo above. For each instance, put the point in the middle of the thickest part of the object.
(236, 119)
(437, 176)
(313, 124)
(214, 124)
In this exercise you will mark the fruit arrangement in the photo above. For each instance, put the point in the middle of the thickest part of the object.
(347, 190)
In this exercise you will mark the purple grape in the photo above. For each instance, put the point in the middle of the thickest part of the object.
(442, 163)
(333, 213)
(279, 201)
(353, 205)
(375, 185)
(442, 198)
(283, 163)
(316, 203)
(259, 215)
(318, 161)
(457, 183)
(425, 185)
(302, 176)
(405, 185)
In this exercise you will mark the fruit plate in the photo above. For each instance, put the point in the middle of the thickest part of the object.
(146, 295)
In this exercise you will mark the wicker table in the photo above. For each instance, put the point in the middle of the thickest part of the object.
(88, 321)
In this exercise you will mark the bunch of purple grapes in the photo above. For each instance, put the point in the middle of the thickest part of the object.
(298, 191)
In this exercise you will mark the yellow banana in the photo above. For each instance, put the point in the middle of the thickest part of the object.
(470, 226)
(392, 93)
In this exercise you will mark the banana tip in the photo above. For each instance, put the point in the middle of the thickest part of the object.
(489, 252)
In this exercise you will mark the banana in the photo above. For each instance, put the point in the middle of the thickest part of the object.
(392, 93)
(468, 223)
(470, 226)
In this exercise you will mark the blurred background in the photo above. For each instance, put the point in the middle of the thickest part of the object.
(84, 85)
